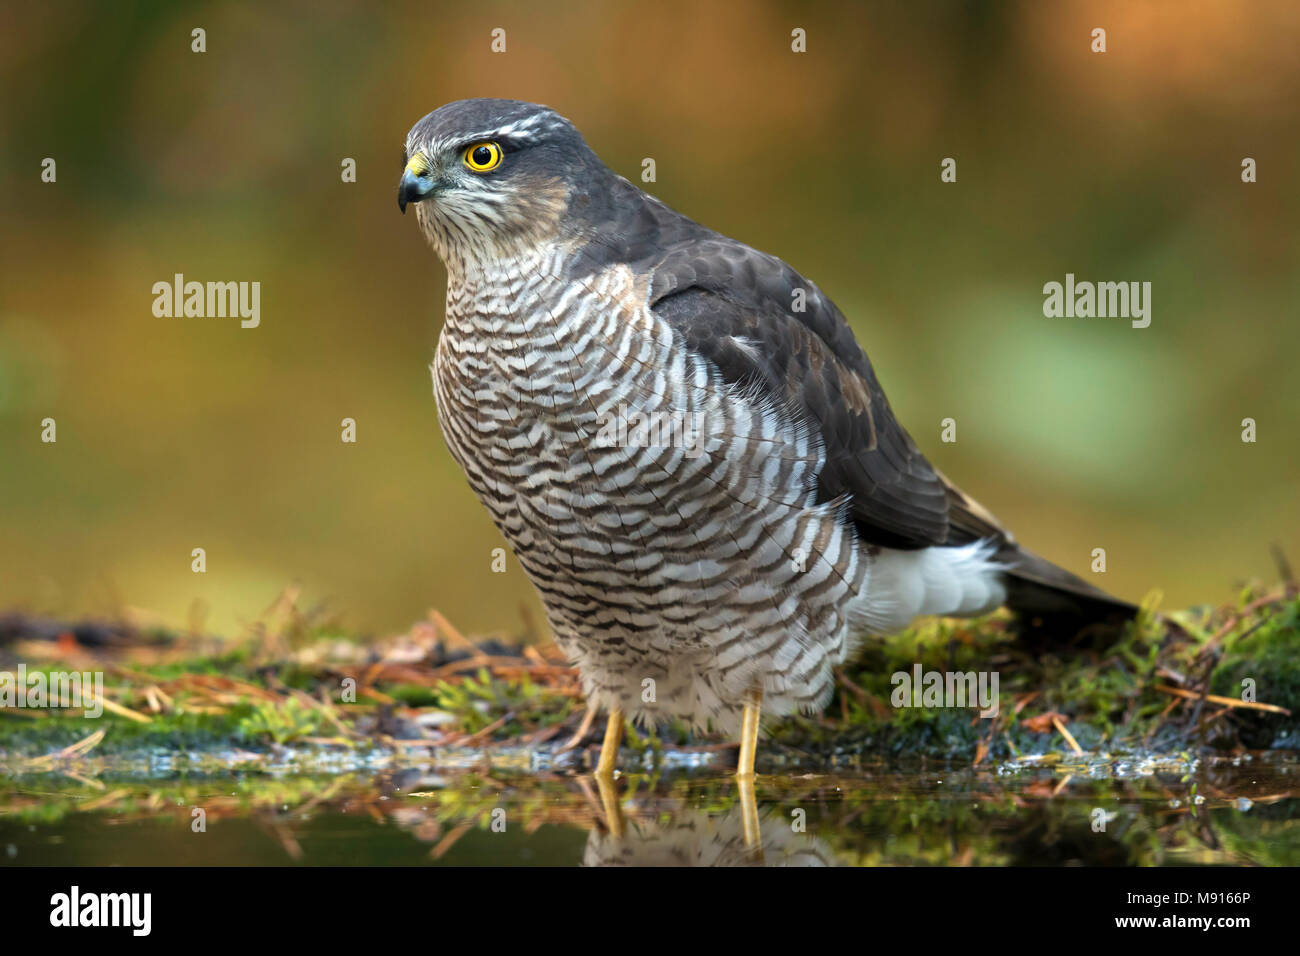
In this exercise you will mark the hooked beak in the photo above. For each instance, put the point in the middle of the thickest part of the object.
(416, 183)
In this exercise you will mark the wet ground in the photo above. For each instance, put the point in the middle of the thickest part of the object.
(349, 808)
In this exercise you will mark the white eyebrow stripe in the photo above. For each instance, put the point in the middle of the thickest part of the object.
(439, 146)
(524, 128)
(482, 134)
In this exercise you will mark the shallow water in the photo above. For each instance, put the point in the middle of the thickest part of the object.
(238, 809)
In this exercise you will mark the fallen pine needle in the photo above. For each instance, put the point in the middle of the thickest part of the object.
(487, 731)
(445, 627)
(81, 747)
(1060, 727)
(449, 841)
(106, 800)
(118, 709)
(1225, 701)
(85, 781)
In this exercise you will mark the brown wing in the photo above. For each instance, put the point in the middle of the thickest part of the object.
(764, 325)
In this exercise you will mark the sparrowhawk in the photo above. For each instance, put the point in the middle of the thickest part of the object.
(724, 569)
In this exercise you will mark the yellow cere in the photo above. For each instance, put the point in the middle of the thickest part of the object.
(418, 165)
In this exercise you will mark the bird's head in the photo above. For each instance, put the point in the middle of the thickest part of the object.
(492, 178)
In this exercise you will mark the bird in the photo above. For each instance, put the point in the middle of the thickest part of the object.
(663, 832)
(682, 440)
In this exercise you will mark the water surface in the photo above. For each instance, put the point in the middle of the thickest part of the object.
(369, 809)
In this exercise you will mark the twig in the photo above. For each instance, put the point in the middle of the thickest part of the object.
(1236, 619)
(445, 626)
(584, 728)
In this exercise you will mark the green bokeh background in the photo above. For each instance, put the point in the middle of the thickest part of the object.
(1084, 433)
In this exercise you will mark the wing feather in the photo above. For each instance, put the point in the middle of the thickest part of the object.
(716, 293)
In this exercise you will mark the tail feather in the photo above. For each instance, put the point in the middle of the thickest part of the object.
(1047, 600)
(1051, 601)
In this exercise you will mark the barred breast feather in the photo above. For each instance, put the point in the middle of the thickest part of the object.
(676, 577)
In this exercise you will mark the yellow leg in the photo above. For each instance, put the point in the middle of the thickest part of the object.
(609, 748)
(749, 734)
(749, 816)
(745, 773)
(610, 804)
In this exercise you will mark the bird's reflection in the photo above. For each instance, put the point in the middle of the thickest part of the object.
(668, 832)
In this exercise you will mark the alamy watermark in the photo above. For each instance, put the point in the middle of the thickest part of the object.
(133, 911)
(210, 300)
(37, 689)
(946, 689)
(1086, 300)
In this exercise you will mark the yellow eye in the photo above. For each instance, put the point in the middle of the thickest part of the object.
(482, 157)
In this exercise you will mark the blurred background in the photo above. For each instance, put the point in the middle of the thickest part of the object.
(181, 433)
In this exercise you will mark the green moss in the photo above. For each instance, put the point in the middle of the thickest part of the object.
(1106, 697)
(281, 723)
(480, 700)
(175, 732)
(1263, 661)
